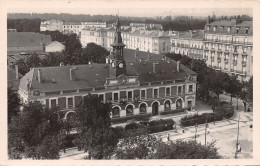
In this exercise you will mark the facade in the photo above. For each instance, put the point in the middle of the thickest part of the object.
(72, 27)
(144, 26)
(188, 43)
(94, 24)
(55, 46)
(51, 25)
(13, 77)
(229, 47)
(93, 35)
(133, 84)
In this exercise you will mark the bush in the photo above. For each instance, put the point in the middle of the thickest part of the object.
(134, 132)
(135, 117)
(133, 125)
(172, 112)
(69, 140)
(219, 113)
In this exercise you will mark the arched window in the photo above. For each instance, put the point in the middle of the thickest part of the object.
(142, 108)
(129, 110)
(167, 105)
(179, 104)
(115, 112)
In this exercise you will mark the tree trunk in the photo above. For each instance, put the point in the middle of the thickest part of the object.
(231, 99)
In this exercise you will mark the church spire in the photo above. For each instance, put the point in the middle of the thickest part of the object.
(117, 36)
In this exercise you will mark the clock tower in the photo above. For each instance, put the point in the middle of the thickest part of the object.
(118, 65)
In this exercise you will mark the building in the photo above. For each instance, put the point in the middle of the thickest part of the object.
(229, 47)
(72, 27)
(144, 26)
(28, 42)
(150, 41)
(94, 24)
(93, 35)
(188, 43)
(51, 25)
(137, 84)
(13, 77)
(55, 46)
(124, 33)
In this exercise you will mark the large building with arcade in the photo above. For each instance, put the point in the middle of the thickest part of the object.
(135, 82)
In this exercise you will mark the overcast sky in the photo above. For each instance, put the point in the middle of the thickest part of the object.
(133, 8)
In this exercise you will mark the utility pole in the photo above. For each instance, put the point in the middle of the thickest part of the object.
(196, 126)
(206, 130)
(237, 103)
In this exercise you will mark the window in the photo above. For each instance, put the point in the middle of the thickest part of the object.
(115, 112)
(115, 97)
(190, 103)
(130, 95)
(143, 94)
(235, 48)
(227, 47)
(221, 29)
(190, 88)
(53, 103)
(142, 108)
(70, 102)
(168, 91)
(228, 29)
(226, 66)
(246, 30)
(155, 93)
(167, 105)
(129, 110)
(179, 90)
(214, 29)
(207, 28)
(244, 50)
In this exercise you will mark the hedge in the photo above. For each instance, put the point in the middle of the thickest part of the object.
(211, 117)
(172, 112)
(135, 117)
(143, 127)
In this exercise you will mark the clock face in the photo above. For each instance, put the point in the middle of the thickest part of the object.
(121, 65)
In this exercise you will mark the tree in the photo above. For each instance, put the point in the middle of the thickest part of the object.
(23, 67)
(249, 86)
(233, 87)
(30, 132)
(175, 57)
(33, 60)
(96, 137)
(185, 150)
(13, 104)
(93, 53)
(137, 147)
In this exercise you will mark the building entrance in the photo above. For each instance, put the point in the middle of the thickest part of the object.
(155, 108)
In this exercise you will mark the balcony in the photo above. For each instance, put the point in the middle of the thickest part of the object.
(212, 59)
(241, 72)
(226, 60)
(219, 51)
(219, 59)
(218, 67)
(243, 63)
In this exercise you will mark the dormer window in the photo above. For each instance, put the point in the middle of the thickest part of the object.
(246, 30)
(237, 30)
(221, 29)
(228, 29)
(207, 28)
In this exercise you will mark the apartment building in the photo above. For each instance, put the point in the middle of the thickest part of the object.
(229, 47)
(188, 43)
(93, 35)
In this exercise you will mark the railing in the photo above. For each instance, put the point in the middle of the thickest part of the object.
(219, 59)
(226, 60)
(234, 62)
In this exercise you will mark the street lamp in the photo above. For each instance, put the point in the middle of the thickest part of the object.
(196, 126)
(206, 125)
(237, 135)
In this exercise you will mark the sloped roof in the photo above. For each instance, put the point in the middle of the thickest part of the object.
(222, 23)
(55, 43)
(131, 55)
(95, 76)
(246, 24)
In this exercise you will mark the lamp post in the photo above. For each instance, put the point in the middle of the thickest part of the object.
(237, 103)
(237, 136)
(196, 126)
(206, 130)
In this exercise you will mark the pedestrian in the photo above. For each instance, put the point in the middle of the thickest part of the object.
(244, 102)
(238, 147)
(183, 131)
(168, 137)
(208, 130)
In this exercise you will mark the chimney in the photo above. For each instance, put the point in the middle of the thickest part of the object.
(16, 72)
(154, 65)
(178, 66)
(39, 76)
(72, 74)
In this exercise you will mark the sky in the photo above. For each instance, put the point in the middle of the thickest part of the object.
(136, 8)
